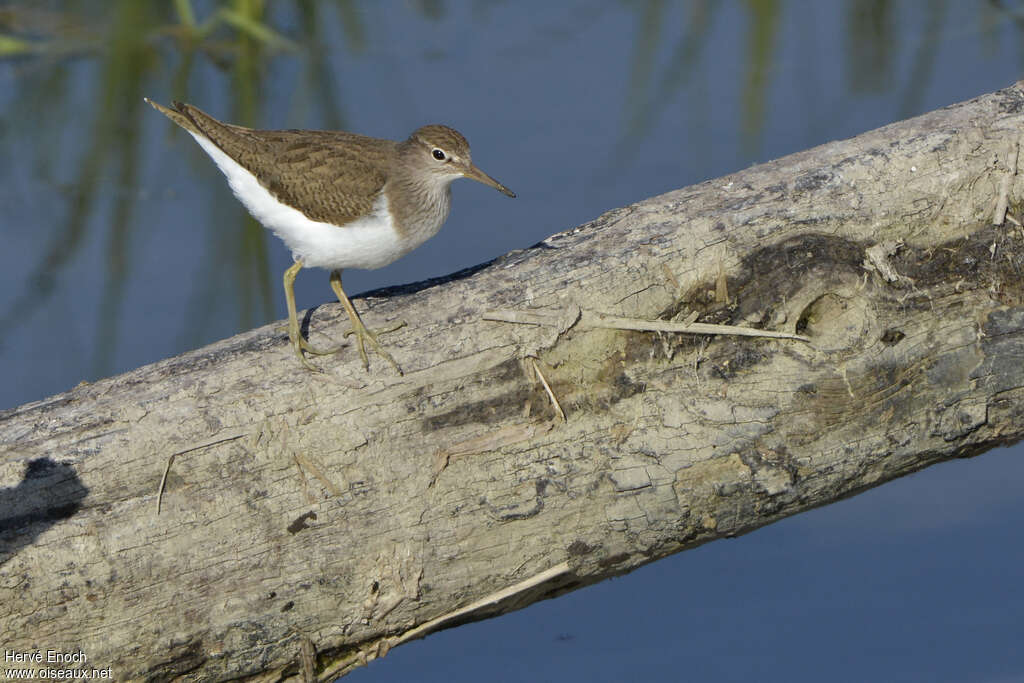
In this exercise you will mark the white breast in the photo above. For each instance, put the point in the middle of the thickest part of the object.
(369, 242)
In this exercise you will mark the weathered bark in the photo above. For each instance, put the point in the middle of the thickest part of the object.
(348, 510)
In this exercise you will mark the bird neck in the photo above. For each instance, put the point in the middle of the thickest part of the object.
(419, 202)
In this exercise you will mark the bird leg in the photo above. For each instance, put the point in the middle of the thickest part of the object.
(299, 343)
(362, 334)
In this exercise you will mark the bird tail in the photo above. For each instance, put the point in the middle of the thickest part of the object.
(201, 125)
(181, 117)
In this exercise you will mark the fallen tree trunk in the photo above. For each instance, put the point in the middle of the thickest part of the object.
(313, 521)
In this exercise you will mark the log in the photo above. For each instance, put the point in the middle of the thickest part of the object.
(565, 416)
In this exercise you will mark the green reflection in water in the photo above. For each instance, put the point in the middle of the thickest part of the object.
(125, 41)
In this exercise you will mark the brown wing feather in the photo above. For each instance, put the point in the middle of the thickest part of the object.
(329, 176)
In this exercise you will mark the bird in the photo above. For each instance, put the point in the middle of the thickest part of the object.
(338, 200)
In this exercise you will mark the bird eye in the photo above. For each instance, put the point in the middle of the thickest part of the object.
(439, 154)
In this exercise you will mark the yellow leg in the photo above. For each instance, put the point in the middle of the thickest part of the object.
(362, 334)
(294, 333)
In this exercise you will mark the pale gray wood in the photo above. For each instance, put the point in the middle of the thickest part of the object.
(344, 511)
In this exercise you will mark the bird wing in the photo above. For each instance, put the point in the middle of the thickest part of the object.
(330, 176)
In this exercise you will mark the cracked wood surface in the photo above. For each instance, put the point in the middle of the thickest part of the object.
(316, 520)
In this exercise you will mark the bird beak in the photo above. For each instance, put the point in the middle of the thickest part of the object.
(476, 174)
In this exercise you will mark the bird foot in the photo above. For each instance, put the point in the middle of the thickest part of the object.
(364, 336)
(301, 347)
